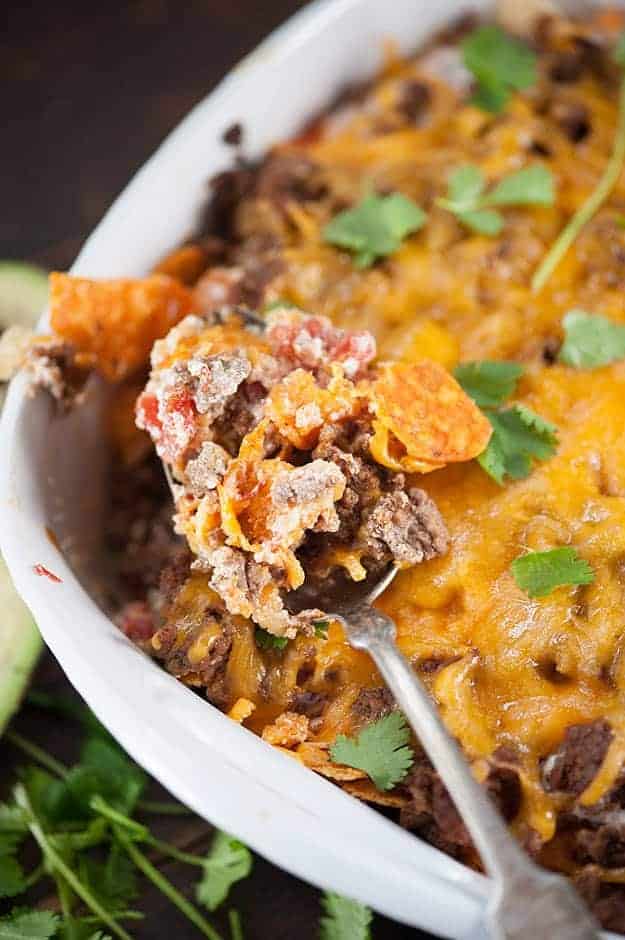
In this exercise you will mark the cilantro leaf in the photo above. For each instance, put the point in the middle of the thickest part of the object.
(375, 227)
(381, 750)
(488, 382)
(113, 882)
(13, 828)
(518, 436)
(530, 186)
(466, 185)
(267, 641)
(344, 919)
(28, 925)
(467, 199)
(538, 573)
(123, 781)
(591, 340)
(500, 65)
(12, 880)
(227, 862)
(482, 221)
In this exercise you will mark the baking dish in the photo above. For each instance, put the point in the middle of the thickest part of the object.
(53, 477)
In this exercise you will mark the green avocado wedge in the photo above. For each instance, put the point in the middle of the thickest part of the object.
(23, 296)
(23, 293)
(20, 645)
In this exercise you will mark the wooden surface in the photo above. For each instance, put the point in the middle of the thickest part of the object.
(88, 91)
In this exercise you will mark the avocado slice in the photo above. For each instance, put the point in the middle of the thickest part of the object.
(23, 293)
(23, 296)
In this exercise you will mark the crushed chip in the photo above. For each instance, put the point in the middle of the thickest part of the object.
(241, 710)
(365, 790)
(288, 730)
(115, 323)
(185, 263)
(424, 420)
(299, 407)
(315, 755)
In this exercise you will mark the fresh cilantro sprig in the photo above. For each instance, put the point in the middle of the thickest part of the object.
(597, 197)
(519, 436)
(344, 919)
(477, 208)
(489, 382)
(227, 862)
(500, 65)
(92, 846)
(374, 228)
(539, 573)
(381, 750)
(591, 340)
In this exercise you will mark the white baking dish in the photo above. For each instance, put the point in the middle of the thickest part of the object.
(50, 476)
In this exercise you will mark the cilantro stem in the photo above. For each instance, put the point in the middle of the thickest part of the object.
(171, 850)
(35, 876)
(37, 753)
(588, 209)
(121, 915)
(234, 920)
(98, 805)
(163, 808)
(163, 885)
(58, 865)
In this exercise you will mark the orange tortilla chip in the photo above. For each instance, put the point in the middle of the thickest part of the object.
(115, 323)
(299, 407)
(424, 420)
(365, 790)
(315, 755)
(185, 264)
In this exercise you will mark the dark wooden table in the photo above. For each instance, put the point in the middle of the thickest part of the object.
(88, 91)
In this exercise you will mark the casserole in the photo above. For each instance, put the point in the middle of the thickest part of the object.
(119, 248)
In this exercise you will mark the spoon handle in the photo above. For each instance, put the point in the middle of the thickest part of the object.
(527, 901)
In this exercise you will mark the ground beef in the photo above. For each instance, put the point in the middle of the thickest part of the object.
(405, 528)
(415, 96)
(311, 704)
(171, 644)
(206, 471)
(51, 365)
(606, 901)
(431, 811)
(175, 573)
(217, 379)
(373, 704)
(605, 846)
(138, 531)
(573, 766)
(289, 177)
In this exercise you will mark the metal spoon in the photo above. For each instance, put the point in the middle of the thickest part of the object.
(527, 902)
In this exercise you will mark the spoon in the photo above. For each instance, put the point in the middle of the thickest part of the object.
(527, 902)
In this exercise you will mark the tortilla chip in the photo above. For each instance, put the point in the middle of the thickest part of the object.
(185, 264)
(288, 730)
(241, 710)
(424, 419)
(316, 756)
(299, 407)
(365, 790)
(114, 324)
